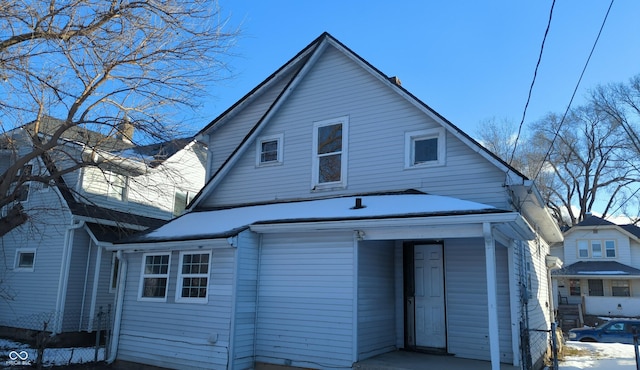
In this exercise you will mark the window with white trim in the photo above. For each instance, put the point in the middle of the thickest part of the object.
(155, 277)
(180, 201)
(425, 148)
(595, 248)
(330, 153)
(116, 185)
(193, 277)
(269, 150)
(610, 248)
(25, 259)
(583, 249)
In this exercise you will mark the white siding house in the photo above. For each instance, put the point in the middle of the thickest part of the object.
(602, 269)
(54, 267)
(353, 220)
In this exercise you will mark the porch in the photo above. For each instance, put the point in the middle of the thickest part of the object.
(404, 360)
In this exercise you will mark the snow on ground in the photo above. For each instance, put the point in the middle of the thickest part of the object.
(16, 353)
(602, 356)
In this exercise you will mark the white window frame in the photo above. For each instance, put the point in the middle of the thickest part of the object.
(111, 193)
(594, 242)
(315, 167)
(16, 263)
(144, 275)
(279, 139)
(181, 276)
(583, 245)
(409, 145)
(113, 278)
(188, 198)
(605, 249)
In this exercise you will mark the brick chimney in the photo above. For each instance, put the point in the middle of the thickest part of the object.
(125, 130)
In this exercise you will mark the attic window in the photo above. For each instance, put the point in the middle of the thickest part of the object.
(25, 259)
(269, 150)
(425, 148)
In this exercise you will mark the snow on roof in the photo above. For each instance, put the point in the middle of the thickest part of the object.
(228, 222)
(602, 273)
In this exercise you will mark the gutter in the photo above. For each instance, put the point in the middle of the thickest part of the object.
(115, 336)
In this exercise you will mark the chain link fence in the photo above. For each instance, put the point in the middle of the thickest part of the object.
(32, 340)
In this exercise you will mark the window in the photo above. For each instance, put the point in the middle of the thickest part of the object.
(269, 150)
(25, 259)
(155, 276)
(116, 186)
(574, 287)
(583, 249)
(115, 266)
(330, 153)
(620, 288)
(425, 148)
(610, 248)
(596, 249)
(193, 277)
(180, 201)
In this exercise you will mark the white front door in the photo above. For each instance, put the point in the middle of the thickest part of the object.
(429, 296)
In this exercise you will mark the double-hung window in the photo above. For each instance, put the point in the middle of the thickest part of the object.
(269, 150)
(193, 277)
(620, 288)
(155, 277)
(330, 153)
(425, 148)
(583, 249)
(596, 249)
(116, 186)
(610, 248)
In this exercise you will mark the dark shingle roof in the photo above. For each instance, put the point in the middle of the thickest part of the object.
(600, 268)
(592, 221)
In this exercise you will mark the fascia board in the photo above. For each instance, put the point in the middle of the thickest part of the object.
(172, 245)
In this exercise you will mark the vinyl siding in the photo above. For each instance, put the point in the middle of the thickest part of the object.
(623, 246)
(466, 299)
(378, 120)
(538, 306)
(179, 335)
(76, 283)
(245, 301)
(34, 293)
(306, 298)
(376, 298)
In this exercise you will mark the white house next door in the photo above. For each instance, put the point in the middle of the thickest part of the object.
(429, 296)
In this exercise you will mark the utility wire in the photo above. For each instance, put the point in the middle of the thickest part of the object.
(575, 90)
(533, 81)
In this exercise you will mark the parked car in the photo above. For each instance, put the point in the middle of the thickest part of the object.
(612, 331)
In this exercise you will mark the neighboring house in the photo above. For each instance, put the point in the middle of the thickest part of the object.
(601, 268)
(54, 267)
(343, 219)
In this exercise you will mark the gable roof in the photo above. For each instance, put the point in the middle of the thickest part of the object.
(597, 268)
(300, 65)
(593, 222)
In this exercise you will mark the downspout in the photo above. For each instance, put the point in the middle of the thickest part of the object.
(94, 292)
(255, 319)
(84, 288)
(63, 280)
(122, 278)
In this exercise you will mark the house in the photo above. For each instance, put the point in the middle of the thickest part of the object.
(54, 268)
(343, 219)
(602, 268)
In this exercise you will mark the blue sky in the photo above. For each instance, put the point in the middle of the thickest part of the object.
(469, 60)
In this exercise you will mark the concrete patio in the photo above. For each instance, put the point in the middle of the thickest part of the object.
(403, 360)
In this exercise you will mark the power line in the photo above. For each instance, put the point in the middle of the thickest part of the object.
(533, 81)
(575, 90)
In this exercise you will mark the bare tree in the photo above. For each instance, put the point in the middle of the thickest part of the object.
(99, 66)
(576, 161)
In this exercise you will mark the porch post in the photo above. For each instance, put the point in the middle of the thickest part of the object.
(514, 302)
(492, 299)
